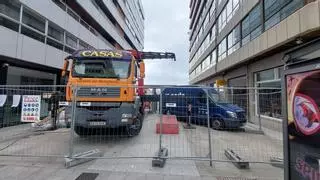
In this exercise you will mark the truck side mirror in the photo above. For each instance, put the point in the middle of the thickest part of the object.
(142, 70)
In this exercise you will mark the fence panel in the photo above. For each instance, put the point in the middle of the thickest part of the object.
(118, 129)
(260, 139)
(194, 123)
(32, 124)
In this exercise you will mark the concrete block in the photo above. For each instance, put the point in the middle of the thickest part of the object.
(281, 29)
(309, 16)
(293, 24)
(169, 125)
(236, 159)
(82, 158)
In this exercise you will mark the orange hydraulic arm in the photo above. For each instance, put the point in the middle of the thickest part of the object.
(140, 56)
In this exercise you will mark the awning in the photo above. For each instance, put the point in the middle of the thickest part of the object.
(3, 99)
(16, 100)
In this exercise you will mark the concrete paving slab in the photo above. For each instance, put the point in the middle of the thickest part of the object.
(189, 143)
(145, 145)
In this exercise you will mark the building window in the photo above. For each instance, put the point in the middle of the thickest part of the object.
(206, 42)
(212, 9)
(234, 40)
(232, 7)
(60, 4)
(33, 20)
(213, 57)
(83, 45)
(206, 63)
(32, 34)
(252, 25)
(68, 50)
(222, 20)
(9, 24)
(55, 44)
(291, 8)
(269, 92)
(222, 49)
(73, 14)
(71, 40)
(229, 10)
(206, 20)
(213, 33)
(55, 32)
(10, 9)
(198, 69)
(276, 10)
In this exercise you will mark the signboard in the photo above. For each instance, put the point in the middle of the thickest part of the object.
(171, 105)
(30, 110)
(221, 82)
(303, 109)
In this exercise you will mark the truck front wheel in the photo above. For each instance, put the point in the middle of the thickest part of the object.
(135, 128)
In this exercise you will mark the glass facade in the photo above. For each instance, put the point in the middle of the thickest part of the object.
(269, 84)
(263, 16)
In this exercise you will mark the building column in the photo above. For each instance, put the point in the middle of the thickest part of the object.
(3, 81)
(3, 73)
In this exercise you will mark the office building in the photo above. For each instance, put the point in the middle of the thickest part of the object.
(36, 35)
(242, 44)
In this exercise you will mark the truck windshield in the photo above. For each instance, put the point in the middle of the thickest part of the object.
(215, 97)
(101, 68)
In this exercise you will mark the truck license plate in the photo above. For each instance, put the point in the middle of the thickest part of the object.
(97, 123)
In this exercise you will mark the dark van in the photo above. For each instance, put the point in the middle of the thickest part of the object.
(177, 100)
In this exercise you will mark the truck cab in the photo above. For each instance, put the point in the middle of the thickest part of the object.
(106, 86)
(179, 100)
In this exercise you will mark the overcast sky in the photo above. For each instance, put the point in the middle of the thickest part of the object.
(166, 27)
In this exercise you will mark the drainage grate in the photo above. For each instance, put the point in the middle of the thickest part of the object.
(87, 176)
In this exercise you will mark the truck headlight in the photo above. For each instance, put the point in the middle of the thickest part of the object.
(232, 114)
(126, 116)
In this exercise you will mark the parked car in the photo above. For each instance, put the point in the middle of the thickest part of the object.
(222, 115)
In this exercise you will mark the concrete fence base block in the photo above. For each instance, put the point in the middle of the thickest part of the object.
(186, 126)
(254, 131)
(161, 158)
(82, 158)
(236, 159)
(277, 162)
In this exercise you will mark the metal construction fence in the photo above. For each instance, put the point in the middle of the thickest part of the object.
(168, 122)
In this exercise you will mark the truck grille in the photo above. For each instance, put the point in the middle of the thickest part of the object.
(110, 92)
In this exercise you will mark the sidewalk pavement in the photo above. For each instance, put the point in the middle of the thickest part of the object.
(276, 135)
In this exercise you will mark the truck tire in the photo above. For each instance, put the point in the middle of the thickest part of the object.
(135, 128)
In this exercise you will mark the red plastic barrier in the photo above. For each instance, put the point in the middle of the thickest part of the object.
(169, 125)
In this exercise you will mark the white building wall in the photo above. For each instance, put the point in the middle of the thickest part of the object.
(16, 45)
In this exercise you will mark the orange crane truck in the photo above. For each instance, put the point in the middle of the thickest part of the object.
(107, 87)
